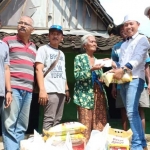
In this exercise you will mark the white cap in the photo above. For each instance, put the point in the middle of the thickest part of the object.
(130, 17)
(146, 11)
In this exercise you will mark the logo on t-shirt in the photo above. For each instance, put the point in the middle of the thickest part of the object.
(59, 69)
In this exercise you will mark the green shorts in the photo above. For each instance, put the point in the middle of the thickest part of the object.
(144, 99)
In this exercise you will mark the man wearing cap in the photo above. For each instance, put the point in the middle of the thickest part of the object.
(132, 58)
(147, 12)
(53, 88)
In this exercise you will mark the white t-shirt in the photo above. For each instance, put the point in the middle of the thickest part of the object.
(55, 80)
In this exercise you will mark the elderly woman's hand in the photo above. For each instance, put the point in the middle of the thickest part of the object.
(114, 65)
(97, 67)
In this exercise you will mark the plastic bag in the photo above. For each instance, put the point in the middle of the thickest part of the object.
(37, 143)
(98, 140)
(64, 128)
(33, 143)
(75, 138)
(107, 77)
(67, 145)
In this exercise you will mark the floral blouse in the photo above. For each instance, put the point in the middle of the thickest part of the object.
(83, 89)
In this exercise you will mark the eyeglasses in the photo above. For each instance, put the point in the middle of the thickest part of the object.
(25, 23)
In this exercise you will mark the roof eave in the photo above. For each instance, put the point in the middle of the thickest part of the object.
(101, 13)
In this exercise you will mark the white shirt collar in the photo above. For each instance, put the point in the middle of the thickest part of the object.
(135, 35)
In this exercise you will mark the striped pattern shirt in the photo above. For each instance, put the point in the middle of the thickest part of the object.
(22, 59)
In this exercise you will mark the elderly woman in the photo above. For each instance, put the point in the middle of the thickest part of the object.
(89, 94)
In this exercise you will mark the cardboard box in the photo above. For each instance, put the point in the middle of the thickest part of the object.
(117, 142)
(120, 133)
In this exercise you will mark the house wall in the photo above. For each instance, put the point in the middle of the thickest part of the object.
(71, 14)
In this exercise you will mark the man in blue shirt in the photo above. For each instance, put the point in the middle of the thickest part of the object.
(4, 77)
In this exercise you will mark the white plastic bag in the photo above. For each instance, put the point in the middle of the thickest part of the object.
(33, 143)
(98, 140)
(37, 143)
(67, 145)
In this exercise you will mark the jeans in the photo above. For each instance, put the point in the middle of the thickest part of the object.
(15, 119)
(130, 93)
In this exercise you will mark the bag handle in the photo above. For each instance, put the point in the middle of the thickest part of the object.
(52, 65)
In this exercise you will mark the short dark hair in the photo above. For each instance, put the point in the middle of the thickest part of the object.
(118, 28)
(52, 30)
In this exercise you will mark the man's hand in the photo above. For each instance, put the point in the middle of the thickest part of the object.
(118, 73)
(8, 99)
(67, 96)
(43, 97)
(114, 92)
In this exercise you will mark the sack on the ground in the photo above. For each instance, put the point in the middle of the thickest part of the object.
(37, 143)
(107, 77)
(120, 133)
(118, 139)
(75, 138)
(64, 128)
(62, 145)
(117, 143)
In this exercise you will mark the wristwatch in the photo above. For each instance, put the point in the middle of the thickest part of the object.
(124, 70)
(9, 92)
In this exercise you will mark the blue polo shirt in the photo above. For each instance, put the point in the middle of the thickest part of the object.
(4, 59)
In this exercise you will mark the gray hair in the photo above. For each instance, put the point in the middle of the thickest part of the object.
(84, 39)
(32, 21)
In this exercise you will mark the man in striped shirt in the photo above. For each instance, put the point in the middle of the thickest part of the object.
(22, 58)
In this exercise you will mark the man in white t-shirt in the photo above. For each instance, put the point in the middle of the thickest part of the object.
(53, 88)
